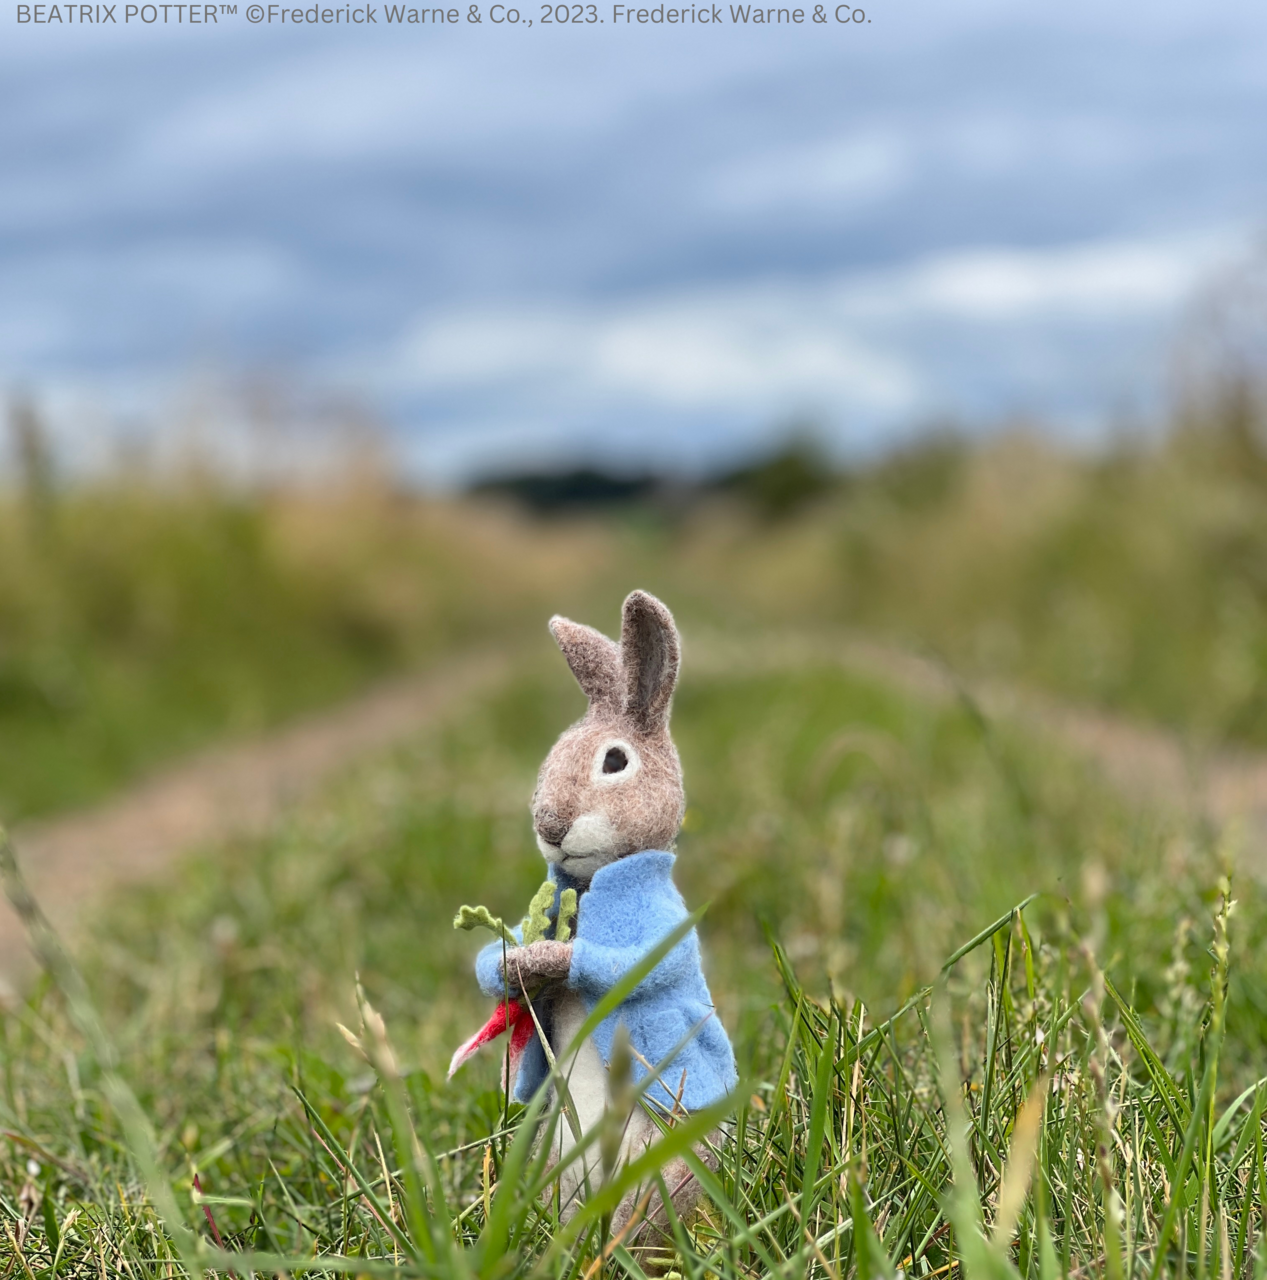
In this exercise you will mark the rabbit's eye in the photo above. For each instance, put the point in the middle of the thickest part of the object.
(614, 762)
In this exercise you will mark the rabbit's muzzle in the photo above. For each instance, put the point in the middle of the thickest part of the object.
(551, 826)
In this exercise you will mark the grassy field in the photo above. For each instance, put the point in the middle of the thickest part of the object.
(1134, 579)
(1077, 1094)
(139, 621)
(141, 618)
(883, 1121)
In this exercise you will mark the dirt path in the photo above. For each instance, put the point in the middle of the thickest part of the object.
(69, 861)
(1144, 762)
(1148, 763)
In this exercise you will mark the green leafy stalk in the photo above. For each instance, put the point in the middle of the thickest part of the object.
(567, 913)
(482, 918)
(536, 924)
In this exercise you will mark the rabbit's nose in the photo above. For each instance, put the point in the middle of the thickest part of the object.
(552, 827)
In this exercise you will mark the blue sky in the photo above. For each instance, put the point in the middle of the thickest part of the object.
(630, 245)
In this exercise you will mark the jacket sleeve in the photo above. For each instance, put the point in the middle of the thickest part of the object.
(597, 968)
(488, 967)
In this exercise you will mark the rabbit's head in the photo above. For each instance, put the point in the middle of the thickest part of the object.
(612, 784)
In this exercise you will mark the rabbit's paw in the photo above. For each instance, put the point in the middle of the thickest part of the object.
(541, 962)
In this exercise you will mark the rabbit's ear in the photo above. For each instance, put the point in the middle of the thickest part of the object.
(594, 660)
(650, 654)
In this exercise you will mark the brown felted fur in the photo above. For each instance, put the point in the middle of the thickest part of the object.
(594, 660)
(650, 655)
(650, 1240)
(539, 962)
(630, 690)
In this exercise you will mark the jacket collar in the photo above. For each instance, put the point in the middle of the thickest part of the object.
(649, 865)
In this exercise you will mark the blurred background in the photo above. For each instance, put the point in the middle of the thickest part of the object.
(951, 325)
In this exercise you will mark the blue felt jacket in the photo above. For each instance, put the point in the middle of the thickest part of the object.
(630, 905)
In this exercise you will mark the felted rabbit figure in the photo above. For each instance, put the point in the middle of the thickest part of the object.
(607, 809)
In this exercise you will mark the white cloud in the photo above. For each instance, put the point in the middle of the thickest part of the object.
(459, 93)
(738, 348)
(831, 174)
(683, 374)
(1106, 278)
(774, 345)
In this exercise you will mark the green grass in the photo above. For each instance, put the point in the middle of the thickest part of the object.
(869, 833)
(139, 622)
(1134, 578)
